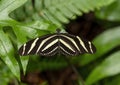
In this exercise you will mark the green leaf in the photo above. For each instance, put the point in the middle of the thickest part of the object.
(7, 6)
(43, 26)
(104, 43)
(109, 67)
(110, 12)
(73, 8)
(7, 54)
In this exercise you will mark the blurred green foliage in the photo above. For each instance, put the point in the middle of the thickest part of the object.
(110, 12)
(5, 74)
(31, 20)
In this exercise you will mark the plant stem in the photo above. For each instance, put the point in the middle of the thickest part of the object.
(75, 70)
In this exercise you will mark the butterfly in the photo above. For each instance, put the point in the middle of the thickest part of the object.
(57, 43)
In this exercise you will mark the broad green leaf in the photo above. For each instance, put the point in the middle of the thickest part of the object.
(110, 12)
(7, 54)
(109, 67)
(104, 43)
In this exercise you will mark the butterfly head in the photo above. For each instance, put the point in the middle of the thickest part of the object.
(58, 30)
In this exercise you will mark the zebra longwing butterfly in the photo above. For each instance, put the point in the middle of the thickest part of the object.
(62, 43)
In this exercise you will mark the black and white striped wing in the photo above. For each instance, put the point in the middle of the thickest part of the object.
(45, 46)
(75, 45)
(61, 43)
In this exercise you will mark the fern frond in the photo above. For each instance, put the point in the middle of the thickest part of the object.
(61, 11)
